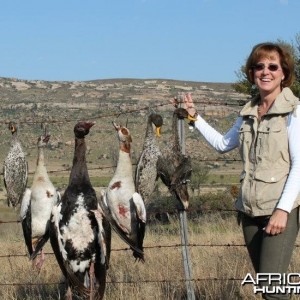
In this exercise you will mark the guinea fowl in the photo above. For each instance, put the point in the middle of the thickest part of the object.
(146, 170)
(36, 207)
(121, 204)
(15, 169)
(76, 236)
(173, 167)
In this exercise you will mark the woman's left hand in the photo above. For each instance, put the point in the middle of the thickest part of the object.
(277, 222)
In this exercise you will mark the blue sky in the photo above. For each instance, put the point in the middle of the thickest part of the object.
(197, 40)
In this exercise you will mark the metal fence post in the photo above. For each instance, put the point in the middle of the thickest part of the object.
(184, 230)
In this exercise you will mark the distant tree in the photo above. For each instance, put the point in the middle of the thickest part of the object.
(199, 176)
(245, 87)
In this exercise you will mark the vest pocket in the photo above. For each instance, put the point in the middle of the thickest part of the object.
(269, 185)
(245, 140)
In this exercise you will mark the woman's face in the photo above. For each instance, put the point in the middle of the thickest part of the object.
(268, 74)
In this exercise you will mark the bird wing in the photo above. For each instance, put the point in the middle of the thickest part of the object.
(41, 242)
(115, 225)
(163, 169)
(138, 170)
(58, 196)
(140, 207)
(25, 215)
(146, 173)
(45, 237)
(25, 203)
(183, 172)
(141, 225)
(15, 177)
(56, 241)
(4, 176)
(98, 213)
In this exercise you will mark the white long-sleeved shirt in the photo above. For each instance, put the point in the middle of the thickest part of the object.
(229, 141)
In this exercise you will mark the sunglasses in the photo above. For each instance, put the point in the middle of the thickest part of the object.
(261, 66)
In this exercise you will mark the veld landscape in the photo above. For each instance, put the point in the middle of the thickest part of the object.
(219, 258)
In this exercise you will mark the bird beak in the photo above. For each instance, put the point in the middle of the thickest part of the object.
(89, 124)
(191, 118)
(157, 131)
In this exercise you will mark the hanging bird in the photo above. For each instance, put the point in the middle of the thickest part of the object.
(15, 169)
(173, 167)
(36, 207)
(146, 170)
(79, 235)
(121, 204)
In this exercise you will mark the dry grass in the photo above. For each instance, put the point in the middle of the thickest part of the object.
(160, 277)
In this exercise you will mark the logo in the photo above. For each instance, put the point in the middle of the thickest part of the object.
(273, 283)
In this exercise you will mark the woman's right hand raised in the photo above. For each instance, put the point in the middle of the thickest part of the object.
(189, 105)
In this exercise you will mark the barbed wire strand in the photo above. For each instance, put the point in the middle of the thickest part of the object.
(117, 114)
(125, 112)
(129, 282)
(146, 247)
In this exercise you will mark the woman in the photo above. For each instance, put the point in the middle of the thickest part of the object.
(267, 133)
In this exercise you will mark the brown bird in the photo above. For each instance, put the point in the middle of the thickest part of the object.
(79, 235)
(173, 167)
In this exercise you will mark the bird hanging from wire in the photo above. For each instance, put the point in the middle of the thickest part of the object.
(36, 207)
(173, 167)
(146, 170)
(79, 234)
(15, 169)
(121, 204)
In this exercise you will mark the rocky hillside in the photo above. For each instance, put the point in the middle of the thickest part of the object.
(61, 104)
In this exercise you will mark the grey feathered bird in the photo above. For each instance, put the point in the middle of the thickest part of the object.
(146, 170)
(15, 169)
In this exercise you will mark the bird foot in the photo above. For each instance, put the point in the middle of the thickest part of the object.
(69, 294)
(38, 263)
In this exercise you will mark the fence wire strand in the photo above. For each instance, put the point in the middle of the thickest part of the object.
(118, 114)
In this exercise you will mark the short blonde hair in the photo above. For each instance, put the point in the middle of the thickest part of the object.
(263, 50)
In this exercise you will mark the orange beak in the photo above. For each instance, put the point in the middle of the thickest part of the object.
(191, 118)
(157, 131)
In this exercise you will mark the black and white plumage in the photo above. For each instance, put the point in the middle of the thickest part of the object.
(78, 233)
(121, 204)
(173, 167)
(146, 170)
(36, 206)
(15, 169)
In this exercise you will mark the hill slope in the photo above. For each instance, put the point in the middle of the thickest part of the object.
(61, 104)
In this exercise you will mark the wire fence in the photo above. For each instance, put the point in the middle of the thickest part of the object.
(204, 103)
(155, 247)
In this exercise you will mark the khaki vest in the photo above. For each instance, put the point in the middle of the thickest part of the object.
(265, 154)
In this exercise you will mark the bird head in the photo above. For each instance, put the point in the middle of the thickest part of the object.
(43, 140)
(124, 135)
(157, 120)
(182, 113)
(12, 127)
(82, 128)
